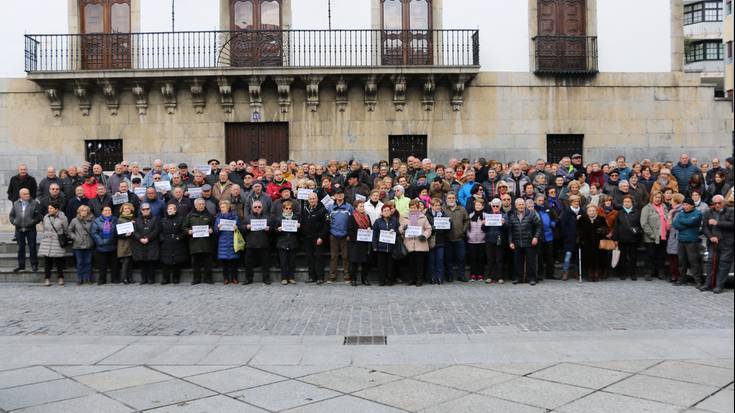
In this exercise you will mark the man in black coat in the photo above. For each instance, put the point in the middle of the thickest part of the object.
(21, 181)
(257, 243)
(102, 200)
(717, 225)
(132, 198)
(54, 196)
(525, 231)
(315, 230)
(44, 186)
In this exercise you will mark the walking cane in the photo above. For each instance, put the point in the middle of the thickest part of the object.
(579, 259)
(713, 266)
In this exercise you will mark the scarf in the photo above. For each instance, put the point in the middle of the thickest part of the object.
(575, 210)
(628, 210)
(289, 215)
(413, 218)
(662, 219)
(362, 220)
(477, 216)
(107, 227)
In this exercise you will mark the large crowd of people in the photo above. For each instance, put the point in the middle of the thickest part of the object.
(410, 221)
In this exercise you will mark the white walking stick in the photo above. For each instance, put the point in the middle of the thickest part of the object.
(579, 259)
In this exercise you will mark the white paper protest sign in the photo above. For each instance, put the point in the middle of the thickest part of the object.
(365, 235)
(387, 237)
(258, 224)
(226, 224)
(200, 231)
(205, 169)
(139, 192)
(289, 225)
(493, 220)
(442, 223)
(120, 198)
(413, 231)
(162, 186)
(359, 197)
(327, 201)
(194, 192)
(124, 229)
(303, 194)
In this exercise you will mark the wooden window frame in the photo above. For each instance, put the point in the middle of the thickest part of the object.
(406, 14)
(256, 14)
(106, 14)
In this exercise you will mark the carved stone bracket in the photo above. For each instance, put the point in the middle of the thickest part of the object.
(312, 91)
(283, 88)
(109, 91)
(428, 90)
(55, 99)
(458, 84)
(140, 93)
(198, 95)
(81, 91)
(225, 93)
(255, 84)
(168, 90)
(341, 88)
(371, 92)
(399, 92)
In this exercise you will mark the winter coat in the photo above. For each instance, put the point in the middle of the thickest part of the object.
(96, 204)
(682, 173)
(53, 226)
(357, 251)
(591, 231)
(373, 211)
(338, 217)
(724, 228)
(104, 242)
(568, 228)
(149, 228)
(23, 220)
(17, 183)
(628, 226)
(688, 224)
(158, 207)
(256, 239)
(672, 240)
(415, 244)
(277, 207)
(132, 199)
(285, 240)
(45, 185)
(274, 189)
(183, 206)
(640, 195)
(80, 232)
(174, 248)
(516, 184)
(651, 223)
(124, 241)
(314, 222)
(438, 236)
(47, 200)
(549, 224)
(522, 231)
(221, 191)
(382, 225)
(225, 239)
(497, 236)
(459, 223)
(199, 245)
(73, 205)
(263, 198)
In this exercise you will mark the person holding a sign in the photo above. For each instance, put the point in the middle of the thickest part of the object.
(440, 225)
(103, 233)
(496, 239)
(225, 225)
(525, 230)
(101, 200)
(287, 241)
(174, 251)
(200, 247)
(257, 242)
(315, 232)
(416, 231)
(355, 190)
(125, 195)
(386, 224)
(146, 245)
(455, 248)
(125, 241)
(358, 248)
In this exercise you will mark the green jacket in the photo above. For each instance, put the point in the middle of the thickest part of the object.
(200, 245)
(459, 221)
(651, 224)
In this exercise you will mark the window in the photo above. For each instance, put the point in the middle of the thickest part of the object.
(106, 152)
(728, 7)
(403, 146)
(704, 11)
(561, 145)
(705, 50)
(729, 52)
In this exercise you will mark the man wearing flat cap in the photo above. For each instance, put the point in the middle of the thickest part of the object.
(688, 222)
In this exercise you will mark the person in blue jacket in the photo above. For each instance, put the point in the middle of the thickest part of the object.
(104, 231)
(465, 192)
(226, 253)
(546, 244)
(688, 222)
(339, 213)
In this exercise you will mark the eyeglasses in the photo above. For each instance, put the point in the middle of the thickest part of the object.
(256, 207)
(156, 178)
(495, 206)
(287, 209)
(145, 209)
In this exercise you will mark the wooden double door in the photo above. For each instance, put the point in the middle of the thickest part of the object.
(248, 141)
(256, 38)
(105, 39)
(406, 37)
(562, 31)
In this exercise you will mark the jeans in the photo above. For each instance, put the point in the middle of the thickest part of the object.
(455, 258)
(83, 259)
(436, 263)
(29, 236)
(287, 259)
(568, 256)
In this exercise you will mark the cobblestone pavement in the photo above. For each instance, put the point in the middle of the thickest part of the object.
(337, 309)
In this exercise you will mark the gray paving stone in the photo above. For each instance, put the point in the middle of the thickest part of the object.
(628, 366)
(230, 380)
(41, 393)
(720, 402)
(583, 376)
(350, 379)
(29, 375)
(691, 372)
(518, 369)
(409, 394)
(92, 403)
(122, 378)
(293, 372)
(475, 403)
(284, 395)
(218, 404)
(722, 363)
(535, 392)
(74, 371)
(185, 371)
(663, 390)
(345, 404)
(159, 394)
(406, 370)
(230, 354)
(466, 378)
(602, 402)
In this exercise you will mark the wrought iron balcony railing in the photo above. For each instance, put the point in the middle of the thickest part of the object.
(565, 55)
(250, 49)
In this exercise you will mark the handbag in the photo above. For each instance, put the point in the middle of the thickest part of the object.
(607, 244)
(238, 242)
(62, 238)
(399, 249)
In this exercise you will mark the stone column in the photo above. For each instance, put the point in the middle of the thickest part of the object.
(677, 35)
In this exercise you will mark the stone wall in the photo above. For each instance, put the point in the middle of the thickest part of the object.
(505, 116)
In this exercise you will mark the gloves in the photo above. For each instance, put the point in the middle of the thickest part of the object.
(422, 238)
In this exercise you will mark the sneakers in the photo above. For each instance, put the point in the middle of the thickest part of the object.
(292, 281)
(501, 281)
(61, 282)
(47, 282)
(488, 280)
(284, 282)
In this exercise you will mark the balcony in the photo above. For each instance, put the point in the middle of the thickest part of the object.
(565, 55)
(263, 51)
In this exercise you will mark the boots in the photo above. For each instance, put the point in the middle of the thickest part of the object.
(365, 279)
(565, 275)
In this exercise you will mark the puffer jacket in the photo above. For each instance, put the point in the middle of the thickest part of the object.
(522, 231)
(568, 228)
(256, 239)
(124, 241)
(416, 244)
(52, 227)
(382, 225)
(460, 223)
(199, 245)
(651, 223)
(174, 248)
(688, 224)
(285, 240)
(549, 224)
(225, 239)
(80, 232)
(338, 217)
(149, 228)
(104, 242)
(438, 236)
(497, 235)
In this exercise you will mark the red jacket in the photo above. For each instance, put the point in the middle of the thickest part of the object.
(90, 190)
(597, 178)
(274, 189)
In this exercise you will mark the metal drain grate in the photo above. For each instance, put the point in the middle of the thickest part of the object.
(365, 340)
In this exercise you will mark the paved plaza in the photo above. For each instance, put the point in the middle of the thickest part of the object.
(615, 346)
